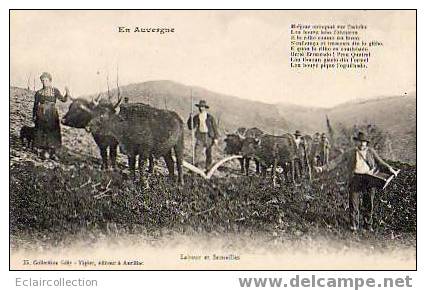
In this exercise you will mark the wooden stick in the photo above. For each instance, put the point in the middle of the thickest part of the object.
(107, 81)
(102, 194)
(29, 82)
(206, 211)
(95, 185)
(84, 184)
(109, 182)
(192, 129)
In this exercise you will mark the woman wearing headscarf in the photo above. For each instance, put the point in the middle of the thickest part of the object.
(46, 118)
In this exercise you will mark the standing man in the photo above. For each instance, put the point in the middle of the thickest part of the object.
(324, 149)
(297, 137)
(316, 138)
(206, 133)
(298, 162)
(316, 149)
(361, 163)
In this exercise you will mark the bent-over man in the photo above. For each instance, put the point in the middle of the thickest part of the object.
(360, 163)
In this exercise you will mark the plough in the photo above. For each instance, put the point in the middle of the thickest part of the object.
(210, 172)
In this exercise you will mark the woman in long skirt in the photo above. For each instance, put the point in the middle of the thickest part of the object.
(46, 118)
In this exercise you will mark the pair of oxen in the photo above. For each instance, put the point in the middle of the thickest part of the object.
(294, 157)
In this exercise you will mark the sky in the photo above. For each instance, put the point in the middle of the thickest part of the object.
(240, 53)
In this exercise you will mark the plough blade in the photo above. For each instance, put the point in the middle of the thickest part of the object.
(208, 174)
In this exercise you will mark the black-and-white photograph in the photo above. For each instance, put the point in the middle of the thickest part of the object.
(213, 139)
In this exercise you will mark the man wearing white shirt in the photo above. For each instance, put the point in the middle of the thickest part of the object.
(206, 133)
(360, 162)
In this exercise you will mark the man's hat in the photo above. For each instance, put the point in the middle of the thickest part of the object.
(46, 75)
(297, 133)
(361, 137)
(323, 135)
(202, 103)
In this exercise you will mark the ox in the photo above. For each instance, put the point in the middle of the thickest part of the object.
(82, 111)
(145, 131)
(234, 144)
(276, 151)
(79, 114)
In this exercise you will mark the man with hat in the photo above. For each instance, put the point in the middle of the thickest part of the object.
(300, 153)
(297, 137)
(206, 133)
(360, 164)
(316, 149)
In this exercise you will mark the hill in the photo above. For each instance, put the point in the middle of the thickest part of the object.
(394, 115)
(231, 112)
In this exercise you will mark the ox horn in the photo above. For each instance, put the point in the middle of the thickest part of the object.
(68, 95)
(96, 100)
(241, 135)
(119, 97)
(85, 108)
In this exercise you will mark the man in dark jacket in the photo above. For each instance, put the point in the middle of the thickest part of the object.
(206, 133)
(361, 163)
